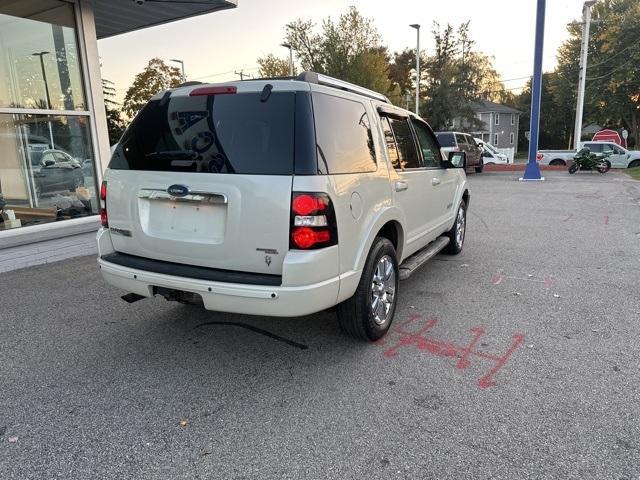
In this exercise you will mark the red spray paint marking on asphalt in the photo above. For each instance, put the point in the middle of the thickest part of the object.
(498, 278)
(548, 281)
(606, 219)
(419, 339)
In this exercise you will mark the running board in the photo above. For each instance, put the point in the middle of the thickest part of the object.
(419, 258)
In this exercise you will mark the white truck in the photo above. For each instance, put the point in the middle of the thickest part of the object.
(619, 158)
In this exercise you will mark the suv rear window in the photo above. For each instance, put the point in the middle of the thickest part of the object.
(231, 133)
(446, 139)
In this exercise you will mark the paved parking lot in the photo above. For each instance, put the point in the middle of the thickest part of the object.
(517, 359)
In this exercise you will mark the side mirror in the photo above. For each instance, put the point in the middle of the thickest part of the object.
(480, 144)
(457, 159)
(49, 163)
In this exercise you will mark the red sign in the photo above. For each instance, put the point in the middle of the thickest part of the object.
(609, 136)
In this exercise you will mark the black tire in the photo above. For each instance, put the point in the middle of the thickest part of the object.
(455, 245)
(634, 164)
(557, 162)
(480, 167)
(356, 315)
(573, 168)
(606, 168)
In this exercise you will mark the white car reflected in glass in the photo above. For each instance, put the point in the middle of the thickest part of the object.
(490, 154)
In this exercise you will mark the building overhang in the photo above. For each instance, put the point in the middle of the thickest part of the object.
(114, 17)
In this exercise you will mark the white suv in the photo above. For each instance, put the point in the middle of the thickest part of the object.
(279, 197)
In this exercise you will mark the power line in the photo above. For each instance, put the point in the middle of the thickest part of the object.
(613, 70)
(225, 73)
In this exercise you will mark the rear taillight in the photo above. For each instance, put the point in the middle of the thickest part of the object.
(103, 205)
(313, 221)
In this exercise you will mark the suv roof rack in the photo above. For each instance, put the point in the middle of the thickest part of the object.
(320, 79)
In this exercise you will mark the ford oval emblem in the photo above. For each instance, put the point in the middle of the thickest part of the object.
(178, 190)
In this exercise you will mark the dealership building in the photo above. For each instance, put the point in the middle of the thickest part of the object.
(54, 144)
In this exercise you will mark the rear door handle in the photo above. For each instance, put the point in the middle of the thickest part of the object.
(435, 181)
(401, 186)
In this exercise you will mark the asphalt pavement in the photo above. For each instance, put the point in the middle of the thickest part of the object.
(517, 359)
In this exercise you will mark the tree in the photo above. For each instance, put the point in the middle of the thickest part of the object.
(402, 75)
(455, 76)
(612, 95)
(350, 49)
(156, 77)
(272, 66)
(115, 123)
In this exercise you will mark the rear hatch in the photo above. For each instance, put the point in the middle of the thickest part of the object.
(205, 179)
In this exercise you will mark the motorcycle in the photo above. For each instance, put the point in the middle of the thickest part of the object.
(585, 159)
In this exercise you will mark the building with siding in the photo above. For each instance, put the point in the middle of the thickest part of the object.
(500, 124)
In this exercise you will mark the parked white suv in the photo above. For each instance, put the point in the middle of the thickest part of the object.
(279, 197)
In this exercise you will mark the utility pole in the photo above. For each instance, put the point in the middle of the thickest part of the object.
(417, 27)
(584, 52)
(44, 76)
(286, 45)
(241, 73)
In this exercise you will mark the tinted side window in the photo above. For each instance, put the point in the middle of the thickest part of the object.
(406, 145)
(460, 139)
(594, 147)
(446, 139)
(392, 148)
(430, 151)
(470, 140)
(343, 135)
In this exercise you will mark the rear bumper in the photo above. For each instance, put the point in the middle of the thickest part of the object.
(274, 301)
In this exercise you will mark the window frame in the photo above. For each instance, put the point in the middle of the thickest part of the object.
(512, 138)
(495, 139)
(415, 143)
(513, 119)
(496, 118)
(435, 141)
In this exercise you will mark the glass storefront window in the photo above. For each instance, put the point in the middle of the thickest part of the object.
(47, 169)
(39, 56)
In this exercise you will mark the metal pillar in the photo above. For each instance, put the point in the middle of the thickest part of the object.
(532, 172)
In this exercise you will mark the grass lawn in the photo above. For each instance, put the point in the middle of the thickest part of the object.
(634, 173)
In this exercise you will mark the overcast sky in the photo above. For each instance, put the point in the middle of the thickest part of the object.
(214, 46)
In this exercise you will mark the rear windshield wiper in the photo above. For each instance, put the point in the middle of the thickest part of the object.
(173, 155)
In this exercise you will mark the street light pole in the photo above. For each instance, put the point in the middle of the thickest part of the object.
(184, 77)
(584, 52)
(286, 45)
(417, 27)
(44, 76)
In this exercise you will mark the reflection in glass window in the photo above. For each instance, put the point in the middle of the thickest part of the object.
(343, 134)
(430, 151)
(406, 146)
(39, 57)
(47, 169)
(392, 148)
